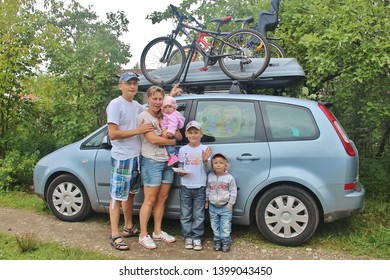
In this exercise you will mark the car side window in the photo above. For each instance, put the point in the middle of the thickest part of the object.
(285, 122)
(95, 141)
(227, 121)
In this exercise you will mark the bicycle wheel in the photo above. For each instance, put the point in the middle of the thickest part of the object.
(246, 56)
(157, 55)
(276, 50)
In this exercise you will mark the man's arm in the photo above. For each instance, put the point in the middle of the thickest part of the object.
(115, 133)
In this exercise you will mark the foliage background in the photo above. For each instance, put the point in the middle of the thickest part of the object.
(58, 70)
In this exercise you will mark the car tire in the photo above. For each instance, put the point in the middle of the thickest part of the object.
(287, 215)
(67, 199)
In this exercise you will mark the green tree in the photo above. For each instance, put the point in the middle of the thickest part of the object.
(84, 64)
(22, 36)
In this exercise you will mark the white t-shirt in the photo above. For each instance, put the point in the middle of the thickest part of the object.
(149, 150)
(125, 114)
(191, 158)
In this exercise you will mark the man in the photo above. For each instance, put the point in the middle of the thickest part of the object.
(123, 130)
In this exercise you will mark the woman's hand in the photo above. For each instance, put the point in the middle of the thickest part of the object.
(178, 135)
(176, 90)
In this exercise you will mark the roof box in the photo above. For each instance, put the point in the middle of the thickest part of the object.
(281, 72)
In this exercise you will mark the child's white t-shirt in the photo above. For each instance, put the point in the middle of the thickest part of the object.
(191, 159)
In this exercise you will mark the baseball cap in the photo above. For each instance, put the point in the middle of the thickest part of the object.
(127, 76)
(219, 155)
(169, 100)
(193, 124)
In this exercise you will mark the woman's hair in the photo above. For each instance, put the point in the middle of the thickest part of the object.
(155, 90)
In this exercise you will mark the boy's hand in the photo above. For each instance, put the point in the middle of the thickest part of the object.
(145, 127)
(229, 207)
(206, 154)
(206, 205)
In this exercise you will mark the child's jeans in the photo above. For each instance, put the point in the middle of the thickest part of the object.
(221, 223)
(192, 212)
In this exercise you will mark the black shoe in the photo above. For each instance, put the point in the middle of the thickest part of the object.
(225, 247)
(217, 246)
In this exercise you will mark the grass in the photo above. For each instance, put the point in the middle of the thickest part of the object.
(366, 235)
(26, 247)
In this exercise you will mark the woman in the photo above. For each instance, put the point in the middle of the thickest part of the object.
(157, 176)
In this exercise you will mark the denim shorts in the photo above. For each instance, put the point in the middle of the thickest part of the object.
(154, 173)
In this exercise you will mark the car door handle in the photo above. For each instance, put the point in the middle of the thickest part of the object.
(247, 157)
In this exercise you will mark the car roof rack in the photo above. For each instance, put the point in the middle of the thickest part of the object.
(280, 73)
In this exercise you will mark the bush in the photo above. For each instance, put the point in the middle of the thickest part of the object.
(374, 174)
(16, 171)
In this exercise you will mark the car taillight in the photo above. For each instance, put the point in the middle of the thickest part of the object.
(348, 187)
(340, 131)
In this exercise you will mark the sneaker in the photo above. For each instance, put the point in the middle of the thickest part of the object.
(163, 236)
(188, 243)
(198, 245)
(172, 160)
(147, 242)
(226, 247)
(217, 246)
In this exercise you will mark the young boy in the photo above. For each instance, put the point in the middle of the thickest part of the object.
(221, 194)
(194, 159)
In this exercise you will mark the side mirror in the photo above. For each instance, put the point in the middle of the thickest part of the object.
(106, 143)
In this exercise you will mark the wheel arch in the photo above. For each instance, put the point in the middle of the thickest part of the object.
(254, 202)
(52, 177)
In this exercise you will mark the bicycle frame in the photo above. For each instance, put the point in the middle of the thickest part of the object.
(195, 45)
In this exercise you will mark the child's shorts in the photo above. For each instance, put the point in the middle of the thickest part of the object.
(125, 178)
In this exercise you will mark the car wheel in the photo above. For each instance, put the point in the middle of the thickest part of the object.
(287, 215)
(67, 199)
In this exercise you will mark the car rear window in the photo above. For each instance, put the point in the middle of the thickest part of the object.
(286, 122)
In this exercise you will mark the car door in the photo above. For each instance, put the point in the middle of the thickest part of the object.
(234, 127)
(102, 177)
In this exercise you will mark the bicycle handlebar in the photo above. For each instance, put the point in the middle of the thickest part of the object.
(177, 13)
(183, 17)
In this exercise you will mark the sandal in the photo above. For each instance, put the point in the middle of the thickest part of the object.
(119, 245)
(131, 232)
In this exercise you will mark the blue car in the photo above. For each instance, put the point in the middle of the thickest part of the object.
(293, 163)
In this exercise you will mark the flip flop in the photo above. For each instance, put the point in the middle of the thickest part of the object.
(119, 245)
(131, 232)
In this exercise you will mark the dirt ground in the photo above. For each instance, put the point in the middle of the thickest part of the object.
(92, 235)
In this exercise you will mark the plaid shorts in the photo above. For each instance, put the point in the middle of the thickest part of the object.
(125, 178)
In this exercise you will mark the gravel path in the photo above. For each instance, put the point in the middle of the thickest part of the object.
(92, 235)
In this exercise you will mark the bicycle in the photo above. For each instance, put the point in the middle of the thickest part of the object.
(275, 50)
(235, 54)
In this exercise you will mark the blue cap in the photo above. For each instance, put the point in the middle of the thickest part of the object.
(127, 76)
